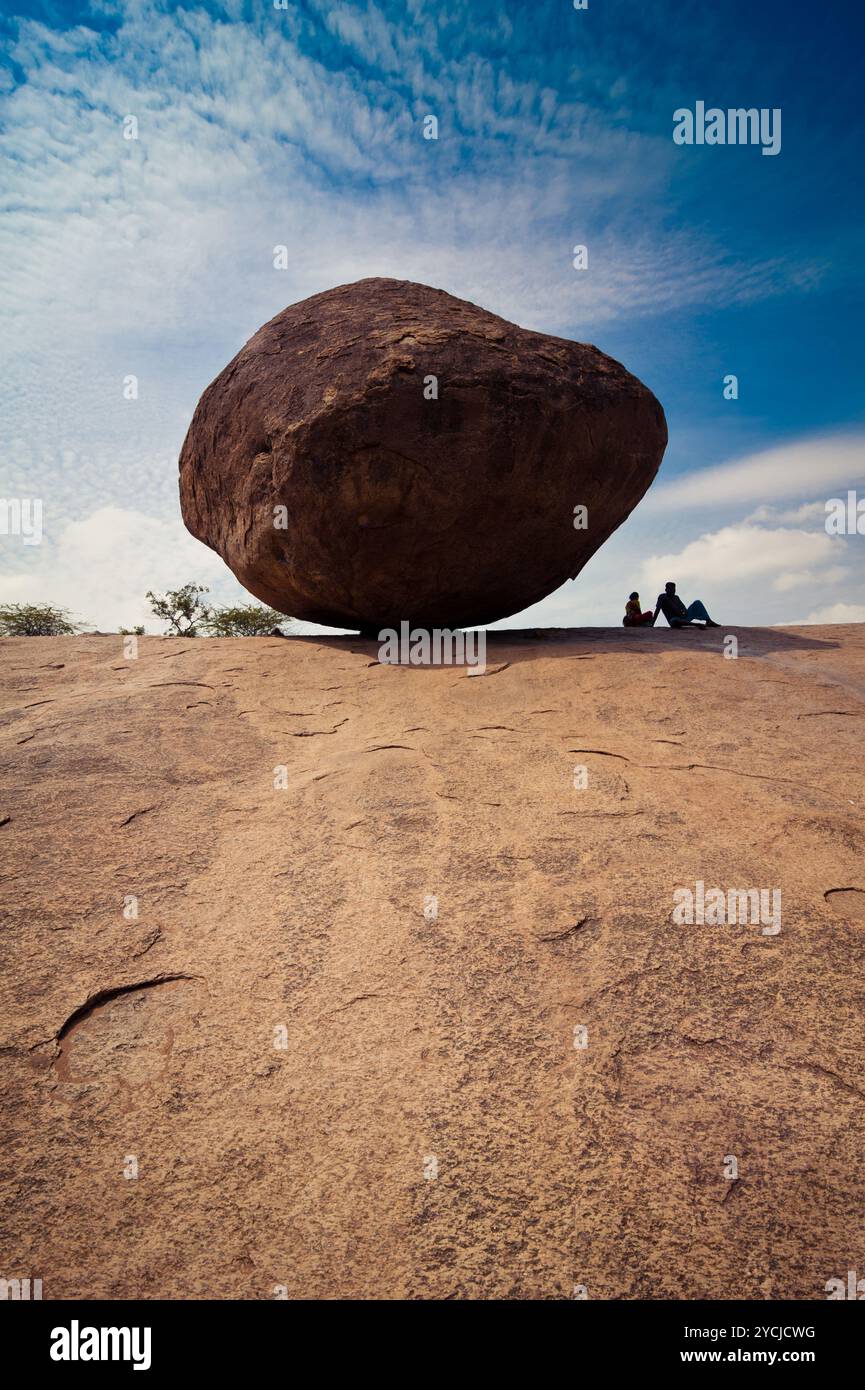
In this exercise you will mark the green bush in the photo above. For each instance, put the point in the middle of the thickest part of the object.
(243, 620)
(35, 620)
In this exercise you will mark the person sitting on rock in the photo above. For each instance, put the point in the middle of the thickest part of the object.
(634, 617)
(676, 613)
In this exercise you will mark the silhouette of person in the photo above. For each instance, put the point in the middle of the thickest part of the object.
(634, 616)
(676, 613)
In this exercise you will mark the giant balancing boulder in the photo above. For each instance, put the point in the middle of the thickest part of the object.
(384, 452)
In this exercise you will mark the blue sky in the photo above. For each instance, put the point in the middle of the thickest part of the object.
(303, 127)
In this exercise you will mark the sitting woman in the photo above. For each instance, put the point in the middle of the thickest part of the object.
(633, 615)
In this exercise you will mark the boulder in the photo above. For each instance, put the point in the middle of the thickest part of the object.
(385, 452)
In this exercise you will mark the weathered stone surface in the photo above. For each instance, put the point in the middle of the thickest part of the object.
(309, 1165)
(449, 511)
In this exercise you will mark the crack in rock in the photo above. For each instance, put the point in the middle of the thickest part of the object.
(142, 811)
(568, 931)
(104, 996)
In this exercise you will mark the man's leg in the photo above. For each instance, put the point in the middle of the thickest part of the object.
(697, 609)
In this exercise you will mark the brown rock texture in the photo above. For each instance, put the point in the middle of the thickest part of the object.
(445, 512)
(329, 1092)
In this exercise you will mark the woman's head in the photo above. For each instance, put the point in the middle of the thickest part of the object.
(634, 595)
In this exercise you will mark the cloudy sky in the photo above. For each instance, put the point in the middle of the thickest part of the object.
(302, 126)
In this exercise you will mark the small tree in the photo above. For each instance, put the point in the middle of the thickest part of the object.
(181, 608)
(132, 631)
(244, 620)
(35, 620)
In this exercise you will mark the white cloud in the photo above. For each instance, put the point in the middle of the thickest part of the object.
(790, 516)
(798, 579)
(793, 470)
(834, 613)
(246, 142)
(745, 574)
(101, 568)
(742, 552)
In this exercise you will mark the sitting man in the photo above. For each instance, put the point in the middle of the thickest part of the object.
(676, 613)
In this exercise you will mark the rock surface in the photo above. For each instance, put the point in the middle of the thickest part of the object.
(445, 512)
(411, 1043)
